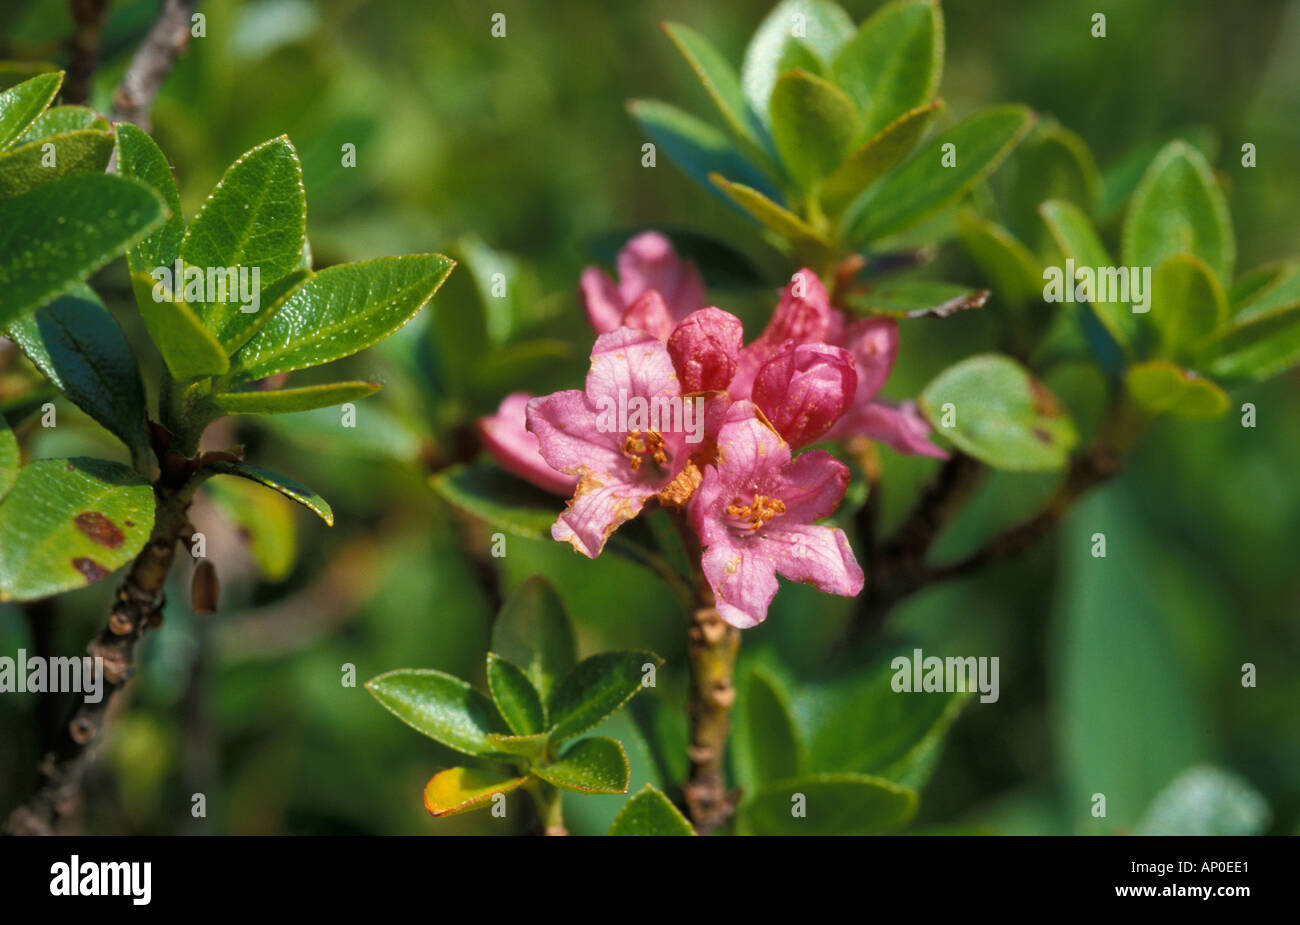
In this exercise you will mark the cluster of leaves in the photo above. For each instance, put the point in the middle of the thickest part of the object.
(541, 699)
(66, 523)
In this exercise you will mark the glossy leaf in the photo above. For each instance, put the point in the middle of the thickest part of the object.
(835, 804)
(265, 520)
(498, 499)
(1078, 240)
(139, 157)
(530, 747)
(923, 186)
(60, 119)
(1187, 304)
(594, 689)
(649, 812)
(340, 311)
(286, 401)
(533, 630)
(67, 523)
(440, 706)
(27, 166)
(76, 343)
(799, 233)
(1178, 208)
(21, 104)
(460, 790)
(1159, 387)
(720, 82)
(255, 217)
(10, 458)
(291, 489)
(825, 29)
(1004, 417)
(55, 235)
(515, 697)
(594, 765)
(768, 746)
(814, 123)
(894, 62)
(877, 157)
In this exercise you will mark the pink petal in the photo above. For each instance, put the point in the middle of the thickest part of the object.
(804, 389)
(812, 486)
(705, 349)
(743, 583)
(632, 361)
(647, 262)
(506, 437)
(649, 314)
(901, 427)
(804, 313)
(604, 304)
(874, 345)
(595, 512)
(819, 556)
(569, 440)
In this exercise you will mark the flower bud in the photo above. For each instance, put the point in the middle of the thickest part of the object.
(804, 389)
(705, 348)
(204, 589)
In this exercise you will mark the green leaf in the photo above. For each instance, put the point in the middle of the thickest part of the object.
(696, 147)
(440, 706)
(923, 186)
(255, 218)
(498, 499)
(76, 343)
(1187, 304)
(1278, 293)
(293, 490)
(1205, 800)
(285, 401)
(894, 62)
(25, 167)
(188, 348)
(515, 697)
(594, 689)
(60, 119)
(533, 630)
(58, 233)
(834, 804)
(1004, 261)
(1159, 387)
(721, 83)
(10, 458)
(649, 812)
(1005, 417)
(877, 157)
(140, 158)
(916, 299)
(460, 790)
(1078, 240)
(21, 104)
(1053, 163)
(805, 239)
(826, 27)
(265, 521)
(67, 523)
(1178, 208)
(1258, 351)
(594, 765)
(340, 311)
(531, 747)
(813, 124)
(768, 746)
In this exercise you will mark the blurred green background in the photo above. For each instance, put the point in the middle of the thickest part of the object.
(1116, 673)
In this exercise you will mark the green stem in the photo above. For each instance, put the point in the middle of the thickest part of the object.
(550, 807)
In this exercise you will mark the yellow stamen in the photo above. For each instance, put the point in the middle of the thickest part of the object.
(759, 512)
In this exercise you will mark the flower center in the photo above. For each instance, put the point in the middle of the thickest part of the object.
(637, 445)
(758, 512)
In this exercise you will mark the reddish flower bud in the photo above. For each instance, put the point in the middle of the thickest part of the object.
(804, 389)
(705, 348)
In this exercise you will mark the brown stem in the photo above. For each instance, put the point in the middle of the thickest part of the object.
(168, 35)
(89, 17)
(137, 607)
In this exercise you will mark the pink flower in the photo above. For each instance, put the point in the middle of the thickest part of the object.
(705, 348)
(596, 436)
(647, 262)
(754, 513)
(804, 389)
(506, 437)
(804, 315)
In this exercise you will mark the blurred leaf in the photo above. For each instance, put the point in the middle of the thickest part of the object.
(835, 804)
(459, 790)
(813, 125)
(1053, 163)
(923, 186)
(1187, 304)
(534, 631)
(24, 168)
(291, 489)
(799, 233)
(498, 499)
(1078, 241)
(916, 299)
(67, 523)
(826, 27)
(1004, 416)
(1004, 261)
(264, 518)
(878, 156)
(284, 401)
(594, 689)
(20, 105)
(767, 743)
(384, 434)
(10, 458)
(1178, 208)
(340, 311)
(58, 233)
(531, 747)
(517, 366)
(1163, 388)
(1278, 293)
(58, 120)
(76, 343)
(649, 812)
(440, 706)
(1121, 177)
(1206, 800)
(1258, 351)
(515, 696)
(894, 62)
(594, 765)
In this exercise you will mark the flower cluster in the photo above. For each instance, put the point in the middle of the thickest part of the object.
(811, 374)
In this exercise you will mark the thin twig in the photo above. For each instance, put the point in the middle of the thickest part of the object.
(144, 77)
(89, 16)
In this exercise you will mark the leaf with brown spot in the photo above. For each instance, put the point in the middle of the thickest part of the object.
(99, 528)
